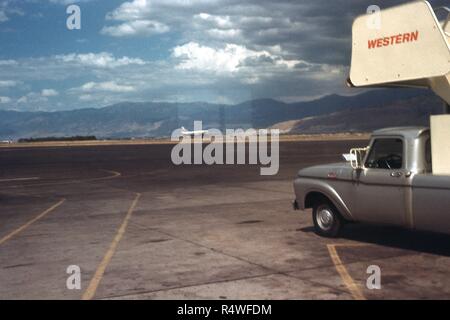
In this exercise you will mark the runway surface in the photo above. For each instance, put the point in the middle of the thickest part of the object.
(139, 227)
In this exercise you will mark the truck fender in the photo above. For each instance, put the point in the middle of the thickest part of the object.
(321, 188)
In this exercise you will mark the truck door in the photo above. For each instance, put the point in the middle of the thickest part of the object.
(382, 184)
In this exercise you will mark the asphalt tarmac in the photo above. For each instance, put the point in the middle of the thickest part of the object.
(139, 227)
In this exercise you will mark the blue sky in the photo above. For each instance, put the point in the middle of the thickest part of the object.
(220, 51)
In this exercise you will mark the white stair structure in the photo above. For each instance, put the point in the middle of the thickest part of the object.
(408, 47)
(411, 48)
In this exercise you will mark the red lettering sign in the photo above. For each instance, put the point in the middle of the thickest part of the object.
(393, 40)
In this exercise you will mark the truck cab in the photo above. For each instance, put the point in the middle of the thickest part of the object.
(391, 183)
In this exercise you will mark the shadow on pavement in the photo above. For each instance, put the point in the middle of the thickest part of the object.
(395, 237)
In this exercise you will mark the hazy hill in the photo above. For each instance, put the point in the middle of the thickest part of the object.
(413, 111)
(366, 111)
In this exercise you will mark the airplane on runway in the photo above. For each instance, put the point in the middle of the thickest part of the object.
(185, 132)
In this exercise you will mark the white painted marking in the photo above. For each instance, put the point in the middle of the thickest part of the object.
(19, 179)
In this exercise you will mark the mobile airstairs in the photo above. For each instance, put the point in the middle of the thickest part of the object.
(407, 46)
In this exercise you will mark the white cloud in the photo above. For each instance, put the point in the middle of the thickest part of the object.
(66, 2)
(3, 16)
(32, 97)
(138, 19)
(49, 93)
(229, 59)
(23, 99)
(142, 9)
(219, 21)
(5, 100)
(99, 60)
(8, 83)
(224, 34)
(8, 62)
(133, 10)
(107, 86)
(86, 97)
(136, 28)
(9, 9)
(205, 58)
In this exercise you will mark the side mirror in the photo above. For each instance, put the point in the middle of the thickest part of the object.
(349, 157)
(356, 157)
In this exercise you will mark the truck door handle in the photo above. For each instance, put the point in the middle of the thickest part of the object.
(396, 174)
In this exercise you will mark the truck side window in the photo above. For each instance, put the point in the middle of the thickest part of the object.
(386, 153)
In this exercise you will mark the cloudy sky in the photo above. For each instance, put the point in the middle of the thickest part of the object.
(220, 51)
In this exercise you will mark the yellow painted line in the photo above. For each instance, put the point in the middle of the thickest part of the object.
(345, 276)
(349, 244)
(26, 225)
(19, 179)
(95, 281)
(114, 174)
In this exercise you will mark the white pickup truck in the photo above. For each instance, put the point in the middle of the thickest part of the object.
(391, 183)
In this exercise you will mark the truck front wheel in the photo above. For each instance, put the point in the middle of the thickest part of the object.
(327, 221)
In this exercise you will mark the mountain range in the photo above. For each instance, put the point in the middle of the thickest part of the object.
(334, 113)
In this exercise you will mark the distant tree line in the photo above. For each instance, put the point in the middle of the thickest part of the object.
(47, 139)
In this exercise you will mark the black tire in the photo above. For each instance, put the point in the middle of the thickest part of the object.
(327, 220)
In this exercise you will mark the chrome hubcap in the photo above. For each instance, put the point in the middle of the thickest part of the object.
(325, 219)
